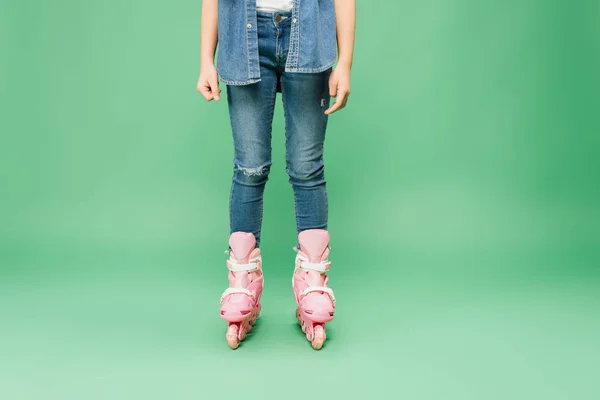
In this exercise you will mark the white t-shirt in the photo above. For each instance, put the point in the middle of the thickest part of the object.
(274, 5)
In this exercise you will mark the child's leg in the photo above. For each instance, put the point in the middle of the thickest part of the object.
(251, 114)
(305, 98)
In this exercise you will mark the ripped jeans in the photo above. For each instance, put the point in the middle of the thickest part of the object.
(305, 97)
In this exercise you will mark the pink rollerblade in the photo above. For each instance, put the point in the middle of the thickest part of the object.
(315, 300)
(240, 303)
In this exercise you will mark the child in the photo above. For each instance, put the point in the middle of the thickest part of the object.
(265, 47)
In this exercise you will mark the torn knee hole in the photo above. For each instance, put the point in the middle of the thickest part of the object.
(253, 171)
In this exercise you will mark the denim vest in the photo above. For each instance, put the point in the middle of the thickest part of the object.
(312, 47)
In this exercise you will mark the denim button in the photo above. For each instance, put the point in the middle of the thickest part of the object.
(249, 26)
(294, 20)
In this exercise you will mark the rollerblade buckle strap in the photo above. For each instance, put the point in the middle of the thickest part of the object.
(229, 291)
(323, 289)
(236, 267)
(320, 267)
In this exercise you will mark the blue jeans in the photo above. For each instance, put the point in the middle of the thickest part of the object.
(305, 98)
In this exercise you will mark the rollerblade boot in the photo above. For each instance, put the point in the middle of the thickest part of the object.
(316, 302)
(240, 303)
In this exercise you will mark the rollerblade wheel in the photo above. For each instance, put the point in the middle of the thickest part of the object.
(233, 340)
(309, 332)
(244, 328)
(318, 337)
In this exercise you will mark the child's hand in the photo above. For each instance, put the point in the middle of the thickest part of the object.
(339, 87)
(208, 83)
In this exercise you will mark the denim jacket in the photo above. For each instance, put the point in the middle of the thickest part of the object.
(312, 47)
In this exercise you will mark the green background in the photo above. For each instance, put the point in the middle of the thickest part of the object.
(464, 196)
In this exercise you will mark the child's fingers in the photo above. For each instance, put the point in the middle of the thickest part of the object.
(214, 88)
(340, 102)
(333, 87)
(205, 92)
(200, 88)
(346, 95)
(336, 106)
